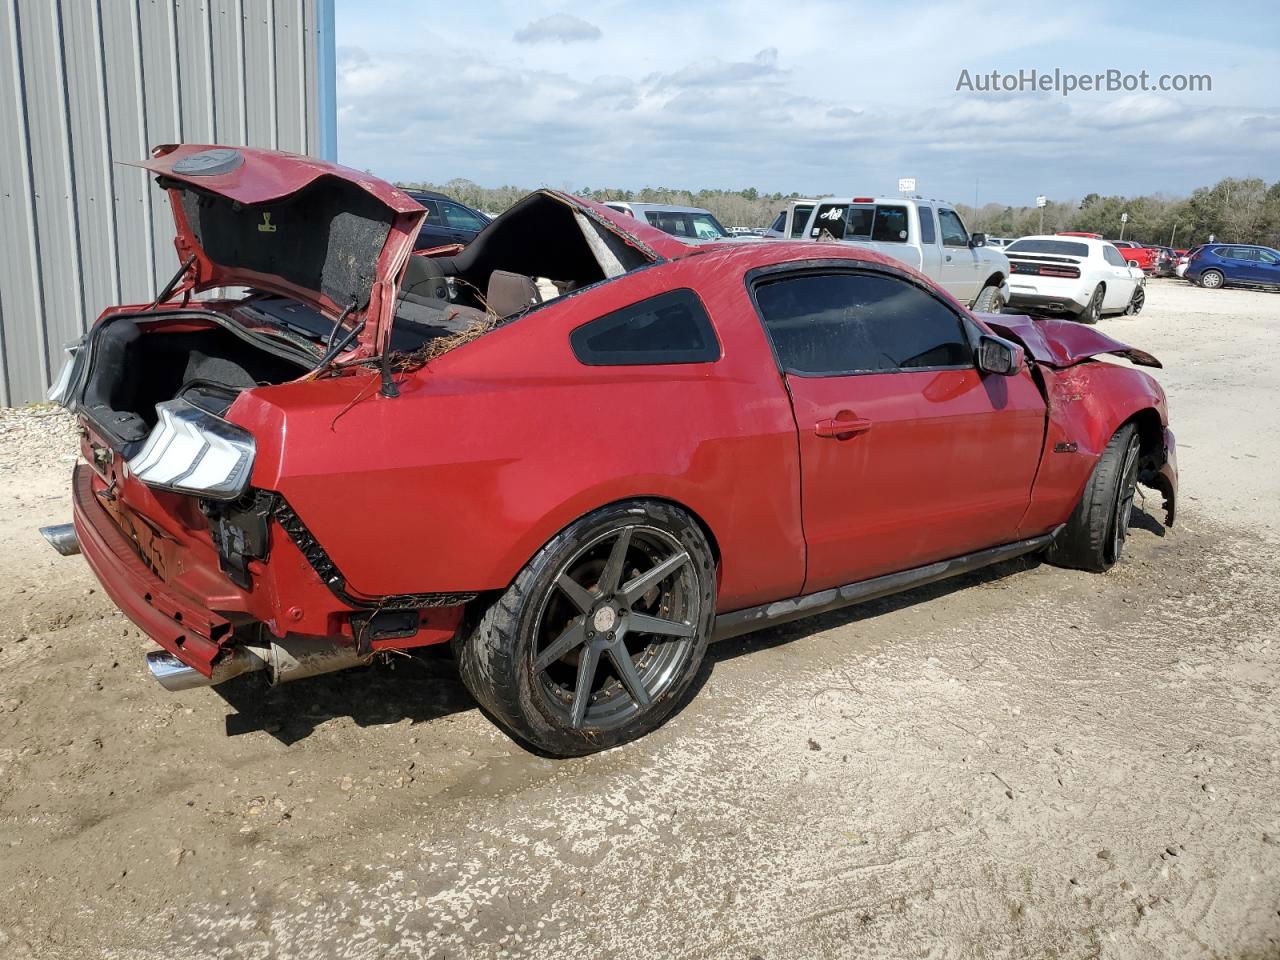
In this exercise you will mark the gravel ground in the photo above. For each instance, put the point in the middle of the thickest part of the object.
(1026, 762)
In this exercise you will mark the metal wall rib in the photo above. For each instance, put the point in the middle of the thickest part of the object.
(89, 86)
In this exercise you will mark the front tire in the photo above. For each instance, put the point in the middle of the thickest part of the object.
(1092, 311)
(989, 300)
(1094, 537)
(1213, 279)
(601, 634)
(1136, 302)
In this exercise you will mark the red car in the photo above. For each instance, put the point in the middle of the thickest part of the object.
(1136, 255)
(579, 449)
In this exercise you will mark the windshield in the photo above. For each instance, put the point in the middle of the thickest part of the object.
(695, 226)
(1062, 247)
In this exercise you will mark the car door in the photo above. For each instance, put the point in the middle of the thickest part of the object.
(1268, 266)
(959, 272)
(1246, 265)
(908, 454)
(930, 249)
(1119, 279)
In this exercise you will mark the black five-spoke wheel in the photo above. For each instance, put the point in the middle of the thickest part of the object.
(600, 634)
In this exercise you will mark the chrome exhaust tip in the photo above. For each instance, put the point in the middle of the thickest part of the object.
(289, 658)
(174, 675)
(62, 537)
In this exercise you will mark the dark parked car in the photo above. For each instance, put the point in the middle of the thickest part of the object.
(638, 444)
(1230, 264)
(448, 221)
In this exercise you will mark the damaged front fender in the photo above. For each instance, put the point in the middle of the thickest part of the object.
(1064, 343)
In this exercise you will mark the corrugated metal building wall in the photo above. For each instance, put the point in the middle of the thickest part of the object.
(89, 85)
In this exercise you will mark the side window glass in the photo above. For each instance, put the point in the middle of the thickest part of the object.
(890, 225)
(460, 218)
(798, 220)
(1113, 256)
(859, 223)
(840, 323)
(953, 232)
(927, 234)
(779, 222)
(433, 218)
(672, 327)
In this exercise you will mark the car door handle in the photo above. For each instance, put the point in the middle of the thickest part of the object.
(841, 428)
(948, 258)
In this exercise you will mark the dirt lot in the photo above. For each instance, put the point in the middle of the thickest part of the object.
(1029, 762)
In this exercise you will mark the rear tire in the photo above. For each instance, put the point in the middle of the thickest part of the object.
(989, 300)
(1212, 279)
(1094, 537)
(600, 636)
(1092, 311)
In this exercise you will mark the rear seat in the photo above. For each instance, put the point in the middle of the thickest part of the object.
(424, 311)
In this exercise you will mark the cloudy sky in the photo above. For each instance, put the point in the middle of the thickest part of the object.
(806, 95)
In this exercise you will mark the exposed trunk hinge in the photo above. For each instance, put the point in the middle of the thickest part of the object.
(180, 282)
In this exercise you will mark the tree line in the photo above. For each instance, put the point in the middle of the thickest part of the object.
(1234, 210)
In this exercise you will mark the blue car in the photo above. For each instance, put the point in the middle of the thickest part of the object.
(1217, 265)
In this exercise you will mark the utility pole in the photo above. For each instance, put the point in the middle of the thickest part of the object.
(1124, 218)
(1173, 233)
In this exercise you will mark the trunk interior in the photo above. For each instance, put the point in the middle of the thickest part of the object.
(137, 363)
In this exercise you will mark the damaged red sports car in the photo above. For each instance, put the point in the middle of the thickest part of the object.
(577, 449)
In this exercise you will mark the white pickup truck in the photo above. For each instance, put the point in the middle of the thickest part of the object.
(927, 235)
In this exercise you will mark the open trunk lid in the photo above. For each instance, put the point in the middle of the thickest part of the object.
(329, 236)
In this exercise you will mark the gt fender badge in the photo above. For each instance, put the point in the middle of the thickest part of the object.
(266, 226)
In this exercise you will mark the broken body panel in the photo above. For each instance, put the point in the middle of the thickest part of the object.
(374, 520)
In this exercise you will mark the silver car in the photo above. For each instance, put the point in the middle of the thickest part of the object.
(688, 223)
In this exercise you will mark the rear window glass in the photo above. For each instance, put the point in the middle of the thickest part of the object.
(1063, 248)
(670, 328)
(843, 221)
(890, 225)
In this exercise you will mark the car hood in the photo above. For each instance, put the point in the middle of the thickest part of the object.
(332, 237)
(1063, 343)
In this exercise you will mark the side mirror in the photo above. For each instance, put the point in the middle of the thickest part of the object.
(977, 239)
(999, 356)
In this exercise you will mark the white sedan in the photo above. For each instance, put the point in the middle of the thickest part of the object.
(1077, 276)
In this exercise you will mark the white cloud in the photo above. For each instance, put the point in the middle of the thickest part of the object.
(818, 97)
(558, 28)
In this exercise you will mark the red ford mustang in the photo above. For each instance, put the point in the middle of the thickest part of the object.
(577, 449)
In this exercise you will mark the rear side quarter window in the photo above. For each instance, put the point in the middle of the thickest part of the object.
(927, 234)
(672, 327)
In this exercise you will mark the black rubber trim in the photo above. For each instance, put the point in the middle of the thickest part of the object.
(738, 622)
(328, 571)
